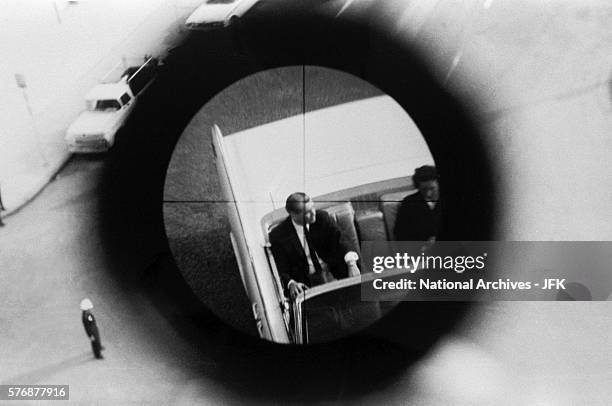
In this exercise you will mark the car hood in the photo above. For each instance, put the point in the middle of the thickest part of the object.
(210, 13)
(92, 122)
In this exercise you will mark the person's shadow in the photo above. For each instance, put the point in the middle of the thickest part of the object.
(40, 374)
(574, 291)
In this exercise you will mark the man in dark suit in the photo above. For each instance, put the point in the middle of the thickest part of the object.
(418, 217)
(307, 248)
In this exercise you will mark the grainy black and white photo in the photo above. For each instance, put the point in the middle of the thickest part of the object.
(295, 201)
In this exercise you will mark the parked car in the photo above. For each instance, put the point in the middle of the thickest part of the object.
(218, 14)
(108, 105)
(355, 161)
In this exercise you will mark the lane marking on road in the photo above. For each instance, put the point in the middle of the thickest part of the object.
(454, 64)
(344, 7)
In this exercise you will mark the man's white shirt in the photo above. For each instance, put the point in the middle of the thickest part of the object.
(349, 256)
(302, 237)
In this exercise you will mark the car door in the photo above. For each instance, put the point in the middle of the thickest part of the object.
(238, 240)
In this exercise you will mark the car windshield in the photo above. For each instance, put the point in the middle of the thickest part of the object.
(338, 313)
(103, 105)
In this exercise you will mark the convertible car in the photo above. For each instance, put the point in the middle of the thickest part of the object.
(355, 161)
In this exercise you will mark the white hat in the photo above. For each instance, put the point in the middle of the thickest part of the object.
(86, 304)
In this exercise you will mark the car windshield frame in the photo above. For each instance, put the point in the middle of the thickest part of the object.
(103, 105)
(299, 320)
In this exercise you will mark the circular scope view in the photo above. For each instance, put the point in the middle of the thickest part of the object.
(273, 189)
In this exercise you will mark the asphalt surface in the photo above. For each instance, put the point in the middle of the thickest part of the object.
(50, 261)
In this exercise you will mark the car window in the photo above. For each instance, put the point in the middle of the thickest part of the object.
(107, 104)
(125, 99)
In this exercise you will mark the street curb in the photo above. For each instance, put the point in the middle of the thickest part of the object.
(39, 186)
(49, 173)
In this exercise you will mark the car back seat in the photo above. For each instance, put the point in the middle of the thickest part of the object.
(344, 215)
(389, 205)
(370, 225)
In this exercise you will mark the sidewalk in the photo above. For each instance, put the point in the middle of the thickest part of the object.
(62, 50)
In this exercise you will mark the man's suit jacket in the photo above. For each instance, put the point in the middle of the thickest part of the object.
(289, 254)
(415, 220)
(89, 322)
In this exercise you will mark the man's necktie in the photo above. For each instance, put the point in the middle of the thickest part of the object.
(313, 254)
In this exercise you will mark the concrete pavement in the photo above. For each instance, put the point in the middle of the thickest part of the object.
(62, 50)
(42, 337)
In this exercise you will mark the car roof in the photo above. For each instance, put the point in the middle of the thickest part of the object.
(210, 12)
(344, 146)
(106, 91)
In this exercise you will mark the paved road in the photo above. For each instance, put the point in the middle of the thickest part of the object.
(50, 260)
(98, 231)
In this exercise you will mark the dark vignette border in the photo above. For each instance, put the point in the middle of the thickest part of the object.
(131, 216)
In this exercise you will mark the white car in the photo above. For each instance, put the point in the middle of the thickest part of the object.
(355, 161)
(108, 105)
(218, 14)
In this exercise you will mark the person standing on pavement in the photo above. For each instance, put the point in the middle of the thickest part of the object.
(91, 329)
